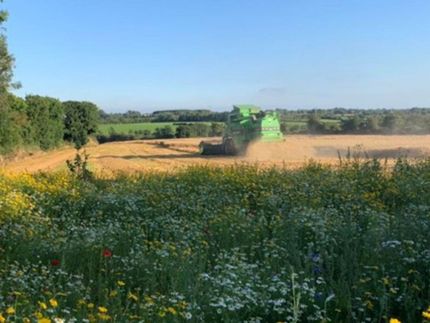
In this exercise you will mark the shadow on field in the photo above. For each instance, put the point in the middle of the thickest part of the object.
(359, 151)
(174, 147)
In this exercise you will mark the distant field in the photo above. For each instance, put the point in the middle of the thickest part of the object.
(303, 123)
(291, 123)
(330, 121)
(125, 128)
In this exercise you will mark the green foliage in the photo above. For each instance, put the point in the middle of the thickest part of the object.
(164, 132)
(6, 59)
(159, 130)
(351, 125)
(79, 166)
(314, 124)
(188, 116)
(357, 121)
(81, 120)
(390, 122)
(46, 116)
(197, 115)
(234, 244)
(193, 130)
(217, 129)
(9, 130)
(44, 122)
(19, 111)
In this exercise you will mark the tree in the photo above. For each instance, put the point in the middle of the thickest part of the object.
(80, 120)
(371, 125)
(389, 123)
(6, 59)
(164, 132)
(165, 117)
(9, 132)
(217, 129)
(314, 124)
(183, 131)
(351, 125)
(47, 117)
(200, 130)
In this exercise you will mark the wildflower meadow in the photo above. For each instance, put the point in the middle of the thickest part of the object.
(233, 244)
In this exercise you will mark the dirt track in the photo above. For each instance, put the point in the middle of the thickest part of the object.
(177, 153)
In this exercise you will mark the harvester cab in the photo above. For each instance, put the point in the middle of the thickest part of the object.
(245, 124)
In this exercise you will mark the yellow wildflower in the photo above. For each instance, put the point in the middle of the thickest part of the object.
(113, 293)
(38, 315)
(26, 320)
(2, 319)
(90, 305)
(44, 320)
(104, 317)
(43, 305)
(394, 320)
(172, 310)
(132, 296)
(103, 309)
(426, 314)
(10, 310)
(53, 302)
(120, 283)
(149, 300)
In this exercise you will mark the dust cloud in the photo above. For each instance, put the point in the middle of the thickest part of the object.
(328, 148)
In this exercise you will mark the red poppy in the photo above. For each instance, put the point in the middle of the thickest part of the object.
(107, 253)
(55, 262)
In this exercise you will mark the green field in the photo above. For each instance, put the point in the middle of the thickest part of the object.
(331, 121)
(304, 122)
(125, 128)
(234, 244)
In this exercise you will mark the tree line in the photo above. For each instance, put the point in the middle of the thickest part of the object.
(175, 130)
(181, 115)
(45, 123)
(315, 121)
(343, 121)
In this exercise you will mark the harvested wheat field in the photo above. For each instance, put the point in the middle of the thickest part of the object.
(173, 154)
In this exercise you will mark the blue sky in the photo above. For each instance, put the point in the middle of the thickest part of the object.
(159, 54)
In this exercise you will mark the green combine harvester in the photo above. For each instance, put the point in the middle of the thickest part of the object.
(245, 124)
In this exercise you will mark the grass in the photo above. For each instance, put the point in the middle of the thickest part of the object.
(233, 244)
